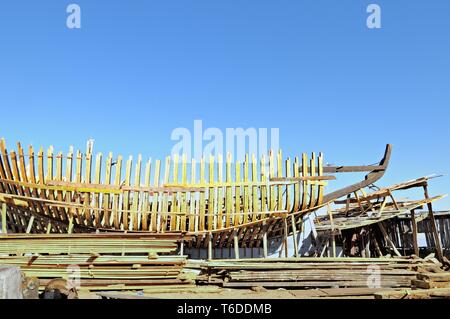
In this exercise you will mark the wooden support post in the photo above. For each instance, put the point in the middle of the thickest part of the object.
(182, 247)
(333, 244)
(236, 244)
(30, 224)
(286, 232)
(210, 250)
(49, 227)
(437, 241)
(4, 225)
(294, 235)
(265, 254)
(333, 238)
(414, 233)
(70, 228)
(388, 240)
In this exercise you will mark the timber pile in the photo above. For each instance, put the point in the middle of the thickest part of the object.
(303, 273)
(98, 261)
(431, 283)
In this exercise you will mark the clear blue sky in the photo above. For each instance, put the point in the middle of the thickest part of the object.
(138, 69)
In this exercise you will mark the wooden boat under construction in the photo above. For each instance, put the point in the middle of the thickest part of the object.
(213, 202)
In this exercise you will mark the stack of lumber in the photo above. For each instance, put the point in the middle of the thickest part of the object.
(432, 280)
(430, 283)
(99, 261)
(302, 273)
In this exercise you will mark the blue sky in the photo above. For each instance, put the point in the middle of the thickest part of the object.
(138, 69)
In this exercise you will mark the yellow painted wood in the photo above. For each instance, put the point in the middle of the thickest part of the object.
(134, 217)
(237, 196)
(202, 204)
(321, 186)
(68, 195)
(271, 175)
(246, 190)
(181, 225)
(279, 204)
(175, 201)
(296, 186)
(165, 199)
(255, 196)
(305, 183)
(288, 188)
(126, 195)
(146, 196)
(263, 189)
(229, 195)
(220, 192)
(105, 214)
(193, 201)
(154, 216)
(211, 195)
(313, 187)
(96, 197)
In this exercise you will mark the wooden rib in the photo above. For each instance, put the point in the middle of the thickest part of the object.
(202, 204)
(49, 177)
(279, 205)
(183, 205)
(87, 179)
(165, 200)
(68, 195)
(271, 175)
(255, 199)
(175, 204)
(192, 215)
(42, 193)
(312, 195)
(237, 196)
(96, 197)
(22, 218)
(134, 217)
(220, 192)
(146, 195)
(78, 173)
(246, 190)
(211, 195)
(105, 215)
(154, 215)
(32, 179)
(24, 177)
(117, 181)
(229, 199)
(126, 194)
(263, 189)
(321, 185)
(288, 188)
(305, 183)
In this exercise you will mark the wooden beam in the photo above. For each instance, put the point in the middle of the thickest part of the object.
(4, 225)
(414, 233)
(388, 240)
(236, 244)
(294, 235)
(437, 241)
